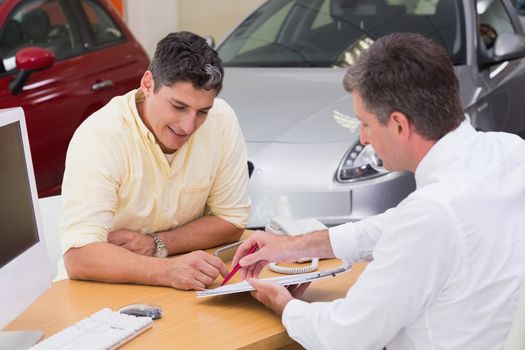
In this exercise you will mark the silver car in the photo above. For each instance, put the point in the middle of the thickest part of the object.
(285, 64)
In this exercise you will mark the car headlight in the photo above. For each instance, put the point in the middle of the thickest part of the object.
(360, 163)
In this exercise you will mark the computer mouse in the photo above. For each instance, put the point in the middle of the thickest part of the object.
(141, 310)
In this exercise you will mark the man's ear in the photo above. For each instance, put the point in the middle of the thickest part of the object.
(147, 84)
(401, 124)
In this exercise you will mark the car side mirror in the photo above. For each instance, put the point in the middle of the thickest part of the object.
(509, 46)
(29, 60)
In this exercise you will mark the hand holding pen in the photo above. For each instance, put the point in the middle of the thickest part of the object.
(238, 266)
(271, 248)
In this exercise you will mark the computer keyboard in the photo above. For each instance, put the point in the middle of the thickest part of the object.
(105, 329)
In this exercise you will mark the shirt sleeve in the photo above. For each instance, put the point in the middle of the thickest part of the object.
(89, 188)
(395, 289)
(355, 241)
(229, 197)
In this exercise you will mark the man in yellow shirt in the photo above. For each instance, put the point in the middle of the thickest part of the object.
(161, 170)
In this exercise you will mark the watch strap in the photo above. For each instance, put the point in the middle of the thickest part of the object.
(159, 243)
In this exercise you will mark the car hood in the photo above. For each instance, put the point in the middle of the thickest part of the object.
(291, 105)
(305, 105)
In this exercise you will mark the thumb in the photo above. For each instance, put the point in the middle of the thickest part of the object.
(255, 282)
(262, 285)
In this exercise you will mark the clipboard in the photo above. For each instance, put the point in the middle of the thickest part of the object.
(244, 286)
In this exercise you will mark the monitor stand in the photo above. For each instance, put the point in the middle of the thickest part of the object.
(19, 340)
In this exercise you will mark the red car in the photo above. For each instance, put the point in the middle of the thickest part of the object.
(61, 60)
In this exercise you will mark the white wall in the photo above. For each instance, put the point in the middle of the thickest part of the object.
(215, 18)
(150, 21)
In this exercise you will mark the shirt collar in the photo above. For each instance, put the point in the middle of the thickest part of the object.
(442, 153)
(137, 96)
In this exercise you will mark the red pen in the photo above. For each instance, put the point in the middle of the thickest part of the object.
(238, 266)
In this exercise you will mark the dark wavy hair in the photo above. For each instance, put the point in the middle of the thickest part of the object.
(187, 57)
(411, 74)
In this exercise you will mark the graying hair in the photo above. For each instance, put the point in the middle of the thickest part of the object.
(411, 74)
(184, 56)
(214, 76)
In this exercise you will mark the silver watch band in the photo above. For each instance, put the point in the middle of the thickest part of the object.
(160, 247)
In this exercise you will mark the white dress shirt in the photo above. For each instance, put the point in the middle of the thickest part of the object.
(446, 263)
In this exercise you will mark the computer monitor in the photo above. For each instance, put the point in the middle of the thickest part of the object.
(24, 265)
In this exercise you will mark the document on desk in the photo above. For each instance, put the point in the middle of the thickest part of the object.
(282, 280)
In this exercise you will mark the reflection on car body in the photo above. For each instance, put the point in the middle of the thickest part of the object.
(285, 63)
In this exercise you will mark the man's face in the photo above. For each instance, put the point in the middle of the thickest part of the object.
(174, 113)
(382, 137)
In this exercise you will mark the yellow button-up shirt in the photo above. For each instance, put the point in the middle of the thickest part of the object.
(117, 177)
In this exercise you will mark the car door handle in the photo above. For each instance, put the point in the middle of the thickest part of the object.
(102, 85)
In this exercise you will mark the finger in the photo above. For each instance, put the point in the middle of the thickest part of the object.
(256, 283)
(208, 270)
(216, 263)
(203, 279)
(292, 287)
(267, 293)
(253, 270)
(188, 284)
(252, 258)
(120, 243)
(259, 295)
(119, 237)
(195, 280)
(262, 285)
(197, 285)
(115, 238)
(243, 250)
(298, 290)
(264, 291)
(259, 267)
(245, 272)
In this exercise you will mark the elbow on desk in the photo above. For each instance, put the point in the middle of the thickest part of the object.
(72, 264)
(235, 236)
(80, 263)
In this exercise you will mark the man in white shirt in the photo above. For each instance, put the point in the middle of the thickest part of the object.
(161, 170)
(446, 264)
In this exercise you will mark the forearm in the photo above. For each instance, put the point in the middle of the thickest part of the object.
(315, 244)
(106, 262)
(203, 233)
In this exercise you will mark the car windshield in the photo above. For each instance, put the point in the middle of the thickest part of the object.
(328, 33)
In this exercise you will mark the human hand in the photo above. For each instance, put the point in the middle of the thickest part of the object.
(195, 270)
(274, 296)
(271, 248)
(134, 241)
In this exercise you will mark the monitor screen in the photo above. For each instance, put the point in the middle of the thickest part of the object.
(24, 265)
(18, 227)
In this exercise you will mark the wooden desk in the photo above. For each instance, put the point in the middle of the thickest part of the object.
(235, 321)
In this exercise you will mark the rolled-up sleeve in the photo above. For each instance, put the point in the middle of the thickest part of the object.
(89, 189)
(355, 241)
(229, 198)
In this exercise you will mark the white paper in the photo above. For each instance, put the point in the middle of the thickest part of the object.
(282, 280)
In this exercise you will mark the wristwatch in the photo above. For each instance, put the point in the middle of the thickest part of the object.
(161, 251)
